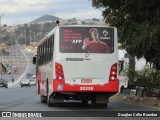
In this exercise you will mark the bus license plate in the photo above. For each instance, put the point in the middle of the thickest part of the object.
(86, 88)
(86, 80)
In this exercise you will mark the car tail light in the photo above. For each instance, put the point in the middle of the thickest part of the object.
(113, 72)
(59, 72)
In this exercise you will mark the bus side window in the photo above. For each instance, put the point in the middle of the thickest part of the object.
(43, 54)
(52, 46)
(40, 56)
(49, 50)
(44, 59)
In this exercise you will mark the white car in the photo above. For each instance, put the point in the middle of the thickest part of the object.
(33, 76)
(25, 82)
(9, 72)
(23, 66)
(32, 81)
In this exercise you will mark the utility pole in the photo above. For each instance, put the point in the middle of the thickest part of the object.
(0, 18)
(25, 36)
(11, 44)
(34, 36)
(1, 48)
(30, 38)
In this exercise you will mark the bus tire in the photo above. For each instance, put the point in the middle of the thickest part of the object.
(48, 96)
(102, 105)
(49, 102)
(84, 101)
(43, 99)
(93, 100)
(38, 87)
(99, 105)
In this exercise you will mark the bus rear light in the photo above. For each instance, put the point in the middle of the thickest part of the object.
(114, 67)
(113, 72)
(60, 78)
(59, 72)
(112, 78)
(59, 67)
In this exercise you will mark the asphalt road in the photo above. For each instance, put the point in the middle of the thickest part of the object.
(25, 99)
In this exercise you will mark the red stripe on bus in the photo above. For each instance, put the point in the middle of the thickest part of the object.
(110, 87)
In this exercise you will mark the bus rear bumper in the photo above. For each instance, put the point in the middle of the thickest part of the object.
(112, 86)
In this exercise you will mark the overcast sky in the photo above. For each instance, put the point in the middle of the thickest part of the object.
(24, 11)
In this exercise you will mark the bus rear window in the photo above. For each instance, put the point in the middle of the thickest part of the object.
(86, 40)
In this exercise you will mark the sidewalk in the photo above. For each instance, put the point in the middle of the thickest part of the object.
(145, 102)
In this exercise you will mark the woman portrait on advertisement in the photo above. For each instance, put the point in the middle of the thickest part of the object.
(95, 46)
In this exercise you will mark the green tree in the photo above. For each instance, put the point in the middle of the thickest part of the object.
(138, 23)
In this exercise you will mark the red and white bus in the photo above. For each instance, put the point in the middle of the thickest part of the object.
(77, 63)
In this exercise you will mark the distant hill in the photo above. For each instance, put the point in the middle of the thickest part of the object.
(45, 18)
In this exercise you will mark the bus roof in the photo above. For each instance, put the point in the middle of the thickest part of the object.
(85, 26)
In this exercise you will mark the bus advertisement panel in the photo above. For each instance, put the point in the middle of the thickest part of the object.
(92, 40)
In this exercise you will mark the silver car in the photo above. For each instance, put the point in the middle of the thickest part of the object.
(32, 81)
(25, 82)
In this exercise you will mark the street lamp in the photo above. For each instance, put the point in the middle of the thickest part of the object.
(1, 48)
(12, 30)
(0, 18)
(25, 37)
(30, 37)
(34, 36)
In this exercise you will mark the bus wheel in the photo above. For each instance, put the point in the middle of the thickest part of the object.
(93, 100)
(49, 102)
(102, 105)
(99, 105)
(84, 101)
(49, 97)
(43, 99)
